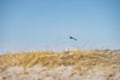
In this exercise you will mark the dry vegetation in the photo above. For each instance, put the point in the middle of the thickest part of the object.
(80, 60)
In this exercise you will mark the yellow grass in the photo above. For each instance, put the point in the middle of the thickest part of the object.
(78, 59)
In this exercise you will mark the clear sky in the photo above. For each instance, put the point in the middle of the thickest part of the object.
(47, 24)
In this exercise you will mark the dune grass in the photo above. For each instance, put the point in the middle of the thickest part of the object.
(78, 59)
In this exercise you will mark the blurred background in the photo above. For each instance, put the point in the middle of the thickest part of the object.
(47, 24)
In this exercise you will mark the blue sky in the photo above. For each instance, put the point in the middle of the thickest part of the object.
(47, 24)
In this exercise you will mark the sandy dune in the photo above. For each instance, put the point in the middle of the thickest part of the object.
(70, 65)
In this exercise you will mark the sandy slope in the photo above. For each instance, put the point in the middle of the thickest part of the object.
(70, 65)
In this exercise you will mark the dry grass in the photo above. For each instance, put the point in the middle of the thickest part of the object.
(79, 59)
(67, 65)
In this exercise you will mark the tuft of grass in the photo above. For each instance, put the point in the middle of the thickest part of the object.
(78, 59)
